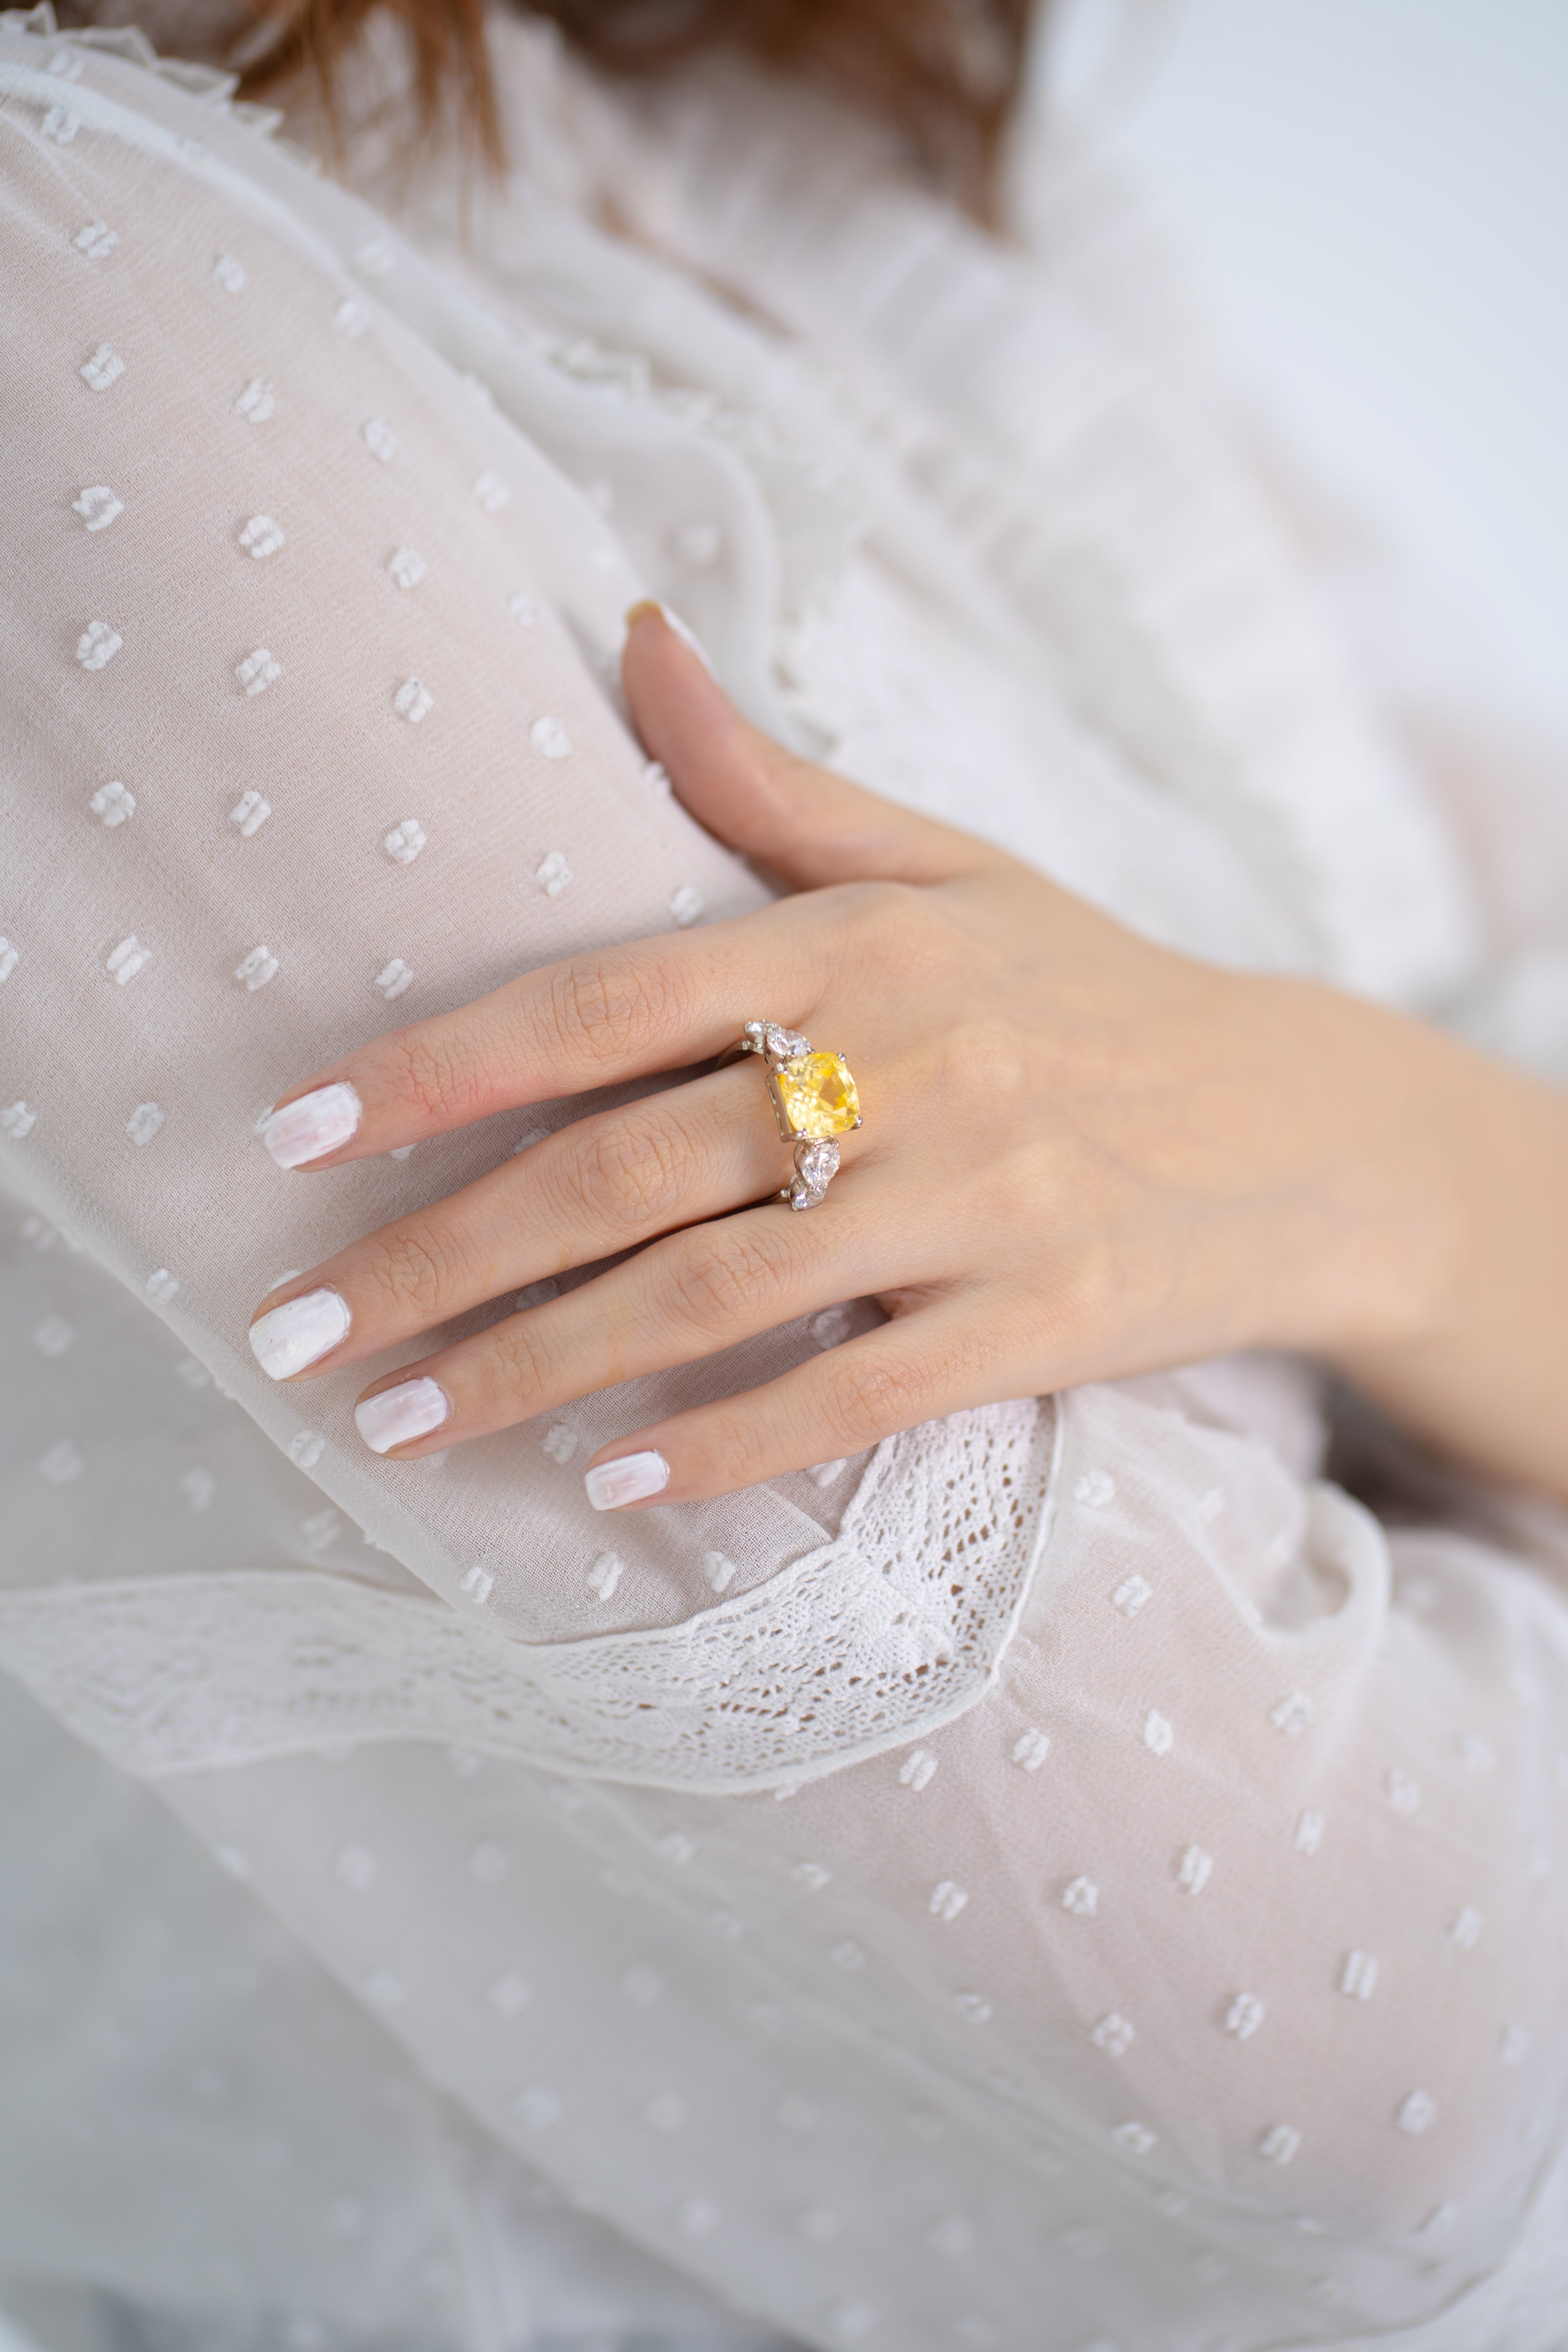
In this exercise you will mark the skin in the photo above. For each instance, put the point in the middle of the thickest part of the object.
(1083, 1156)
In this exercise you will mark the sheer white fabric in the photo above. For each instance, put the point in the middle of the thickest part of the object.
(1160, 1944)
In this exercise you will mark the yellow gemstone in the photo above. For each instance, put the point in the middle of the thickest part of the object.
(818, 1095)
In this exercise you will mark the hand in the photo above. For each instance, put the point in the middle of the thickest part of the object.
(1083, 1156)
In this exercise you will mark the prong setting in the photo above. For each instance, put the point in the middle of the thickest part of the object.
(814, 1100)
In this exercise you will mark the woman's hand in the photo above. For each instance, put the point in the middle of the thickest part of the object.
(1082, 1157)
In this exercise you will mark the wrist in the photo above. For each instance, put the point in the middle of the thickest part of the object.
(1380, 1221)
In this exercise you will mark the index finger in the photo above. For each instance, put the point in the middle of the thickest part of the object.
(613, 1013)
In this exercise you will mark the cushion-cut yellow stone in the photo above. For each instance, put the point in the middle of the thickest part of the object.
(818, 1095)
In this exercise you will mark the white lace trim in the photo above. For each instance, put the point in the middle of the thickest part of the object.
(895, 1628)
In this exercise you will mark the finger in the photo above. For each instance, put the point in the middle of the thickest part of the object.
(928, 1361)
(613, 1015)
(600, 1186)
(683, 1298)
(806, 824)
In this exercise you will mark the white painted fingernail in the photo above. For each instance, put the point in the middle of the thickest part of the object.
(684, 631)
(614, 1484)
(318, 1122)
(396, 1416)
(299, 1333)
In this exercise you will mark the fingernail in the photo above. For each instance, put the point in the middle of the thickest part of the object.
(395, 1416)
(636, 1475)
(672, 620)
(299, 1333)
(317, 1123)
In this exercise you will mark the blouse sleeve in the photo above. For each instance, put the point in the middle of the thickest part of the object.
(312, 732)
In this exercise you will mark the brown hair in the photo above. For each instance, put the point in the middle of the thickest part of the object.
(945, 72)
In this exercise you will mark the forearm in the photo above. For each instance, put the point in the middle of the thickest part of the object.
(1482, 1367)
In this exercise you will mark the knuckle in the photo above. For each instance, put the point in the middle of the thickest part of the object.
(746, 1445)
(611, 1008)
(731, 1275)
(632, 1172)
(425, 1075)
(867, 1395)
(417, 1269)
(984, 1059)
(521, 1356)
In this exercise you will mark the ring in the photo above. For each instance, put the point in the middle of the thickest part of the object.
(814, 1101)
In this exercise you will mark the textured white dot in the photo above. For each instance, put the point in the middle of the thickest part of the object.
(53, 1336)
(127, 960)
(1465, 1930)
(552, 874)
(104, 368)
(549, 737)
(257, 968)
(412, 700)
(111, 805)
(408, 567)
(1358, 1978)
(229, 273)
(405, 842)
(1194, 1870)
(144, 1122)
(97, 645)
(491, 492)
(257, 402)
(257, 671)
(261, 536)
(97, 240)
(605, 1574)
(98, 507)
(251, 813)
(379, 438)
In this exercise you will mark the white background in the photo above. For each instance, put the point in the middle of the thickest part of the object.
(1376, 194)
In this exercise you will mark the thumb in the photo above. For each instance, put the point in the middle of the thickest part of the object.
(802, 822)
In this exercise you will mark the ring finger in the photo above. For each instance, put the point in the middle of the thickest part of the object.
(599, 1186)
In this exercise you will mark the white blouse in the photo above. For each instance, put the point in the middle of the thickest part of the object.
(1070, 1879)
